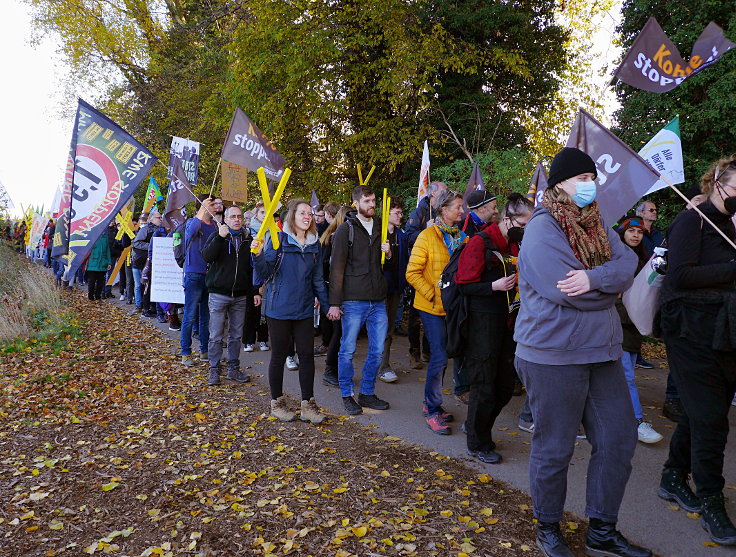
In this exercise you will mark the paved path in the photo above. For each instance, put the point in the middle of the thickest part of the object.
(644, 518)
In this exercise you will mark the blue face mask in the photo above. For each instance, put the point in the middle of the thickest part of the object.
(585, 193)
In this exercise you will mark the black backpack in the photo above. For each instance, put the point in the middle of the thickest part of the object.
(455, 303)
(180, 251)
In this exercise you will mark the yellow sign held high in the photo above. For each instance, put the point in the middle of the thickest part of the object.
(268, 222)
(385, 206)
(272, 228)
(360, 176)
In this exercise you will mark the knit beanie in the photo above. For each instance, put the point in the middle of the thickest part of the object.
(631, 222)
(568, 163)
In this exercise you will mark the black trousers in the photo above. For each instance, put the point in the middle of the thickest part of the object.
(95, 284)
(253, 327)
(706, 380)
(333, 348)
(284, 334)
(489, 362)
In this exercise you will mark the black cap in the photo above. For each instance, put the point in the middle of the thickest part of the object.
(568, 163)
(478, 198)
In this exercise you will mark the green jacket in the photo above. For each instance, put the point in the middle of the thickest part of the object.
(100, 257)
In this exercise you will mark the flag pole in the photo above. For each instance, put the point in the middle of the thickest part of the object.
(190, 191)
(214, 180)
(684, 197)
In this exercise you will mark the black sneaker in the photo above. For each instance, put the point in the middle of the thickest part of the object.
(489, 457)
(551, 541)
(641, 363)
(214, 378)
(373, 402)
(604, 540)
(672, 409)
(330, 377)
(674, 487)
(716, 521)
(237, 376)
(351, 407)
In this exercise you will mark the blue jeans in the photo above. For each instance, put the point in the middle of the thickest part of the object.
(196, 296)
(355, 314)
(138, 287)
(436, 331)
(629, 362)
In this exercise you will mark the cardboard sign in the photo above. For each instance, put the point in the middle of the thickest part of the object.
(234, 182)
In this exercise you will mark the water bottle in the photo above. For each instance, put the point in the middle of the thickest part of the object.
(177, 238)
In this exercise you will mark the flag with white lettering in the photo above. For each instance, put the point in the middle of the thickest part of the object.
(105, 167)
(474, 183)
(653, 62)
(623, 176)
(538, 185)
(180, 193)
(664, 153)
(314, 202)
(247, 146)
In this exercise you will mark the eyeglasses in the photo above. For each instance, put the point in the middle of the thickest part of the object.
(651, 210)
(239, 217)
(717, 175)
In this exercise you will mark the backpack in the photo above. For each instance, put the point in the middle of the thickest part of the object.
(180, 250)
(455, 303)
(140, 256)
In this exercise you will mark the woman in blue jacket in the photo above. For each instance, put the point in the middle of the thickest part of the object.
(568, 354)
(294, 287)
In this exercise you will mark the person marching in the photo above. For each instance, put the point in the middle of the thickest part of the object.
(571, 270)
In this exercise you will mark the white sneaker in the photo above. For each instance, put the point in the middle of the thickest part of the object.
(249, 348)
(292, 362)
(388, 376)
(122, 297)
(647, 433)
(263, 347)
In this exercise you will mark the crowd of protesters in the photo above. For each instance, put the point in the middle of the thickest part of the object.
(537, 307)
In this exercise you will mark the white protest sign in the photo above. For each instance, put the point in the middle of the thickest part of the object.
(167, 277)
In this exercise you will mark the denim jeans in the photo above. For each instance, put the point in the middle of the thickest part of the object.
(629, 362)
(436, 331)
(560, 397)
(196, 296)
(138, 287)
(231, 310)
(355, 314)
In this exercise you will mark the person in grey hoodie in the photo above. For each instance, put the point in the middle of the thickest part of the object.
(568, 334)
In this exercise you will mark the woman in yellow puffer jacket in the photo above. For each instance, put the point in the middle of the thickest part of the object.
(428, 258)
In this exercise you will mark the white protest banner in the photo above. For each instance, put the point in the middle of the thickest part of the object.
(166, 276)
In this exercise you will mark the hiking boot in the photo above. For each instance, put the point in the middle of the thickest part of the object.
(647, 434)
(488, 457)
(292, 362)
(373, 402)
(672, 409)
(604, 540)
(526, 426)
(204, 357)
(439, 427)
(237, 375)
(330, 377)
(249, 348)
(551, 541)
(186, 360)
(715, 520)
(674, 487)
(351, 407)
(214, 377)
(279, 410)
(387, 375)
(444, 416)
(415, 362)
(310, 412)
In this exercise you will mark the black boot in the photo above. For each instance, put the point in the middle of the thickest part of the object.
(604, 541)
(674, 487)
(716, 521)
(330, 377)
(551, 541)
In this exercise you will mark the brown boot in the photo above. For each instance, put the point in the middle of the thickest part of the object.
(281, 411)
(415, 362)
(310, 412)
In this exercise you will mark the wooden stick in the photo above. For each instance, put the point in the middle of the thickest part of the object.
(214, 180)
(193, 194)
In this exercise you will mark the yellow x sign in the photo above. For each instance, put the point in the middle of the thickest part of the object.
(268, 220)
(270, 205)
(126, 225)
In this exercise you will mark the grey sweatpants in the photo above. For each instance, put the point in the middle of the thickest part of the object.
(561, 397)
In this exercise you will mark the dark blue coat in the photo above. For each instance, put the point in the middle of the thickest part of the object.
(290, 293)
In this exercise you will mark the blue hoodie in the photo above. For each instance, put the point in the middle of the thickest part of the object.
(556, 329)
(298, 281)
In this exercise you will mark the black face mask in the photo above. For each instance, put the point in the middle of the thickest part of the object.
(730, 205)
(516, 233)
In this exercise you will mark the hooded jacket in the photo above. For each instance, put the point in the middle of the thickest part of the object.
(355, 270)
(556, 329)
(294, 274)
(230, 272)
